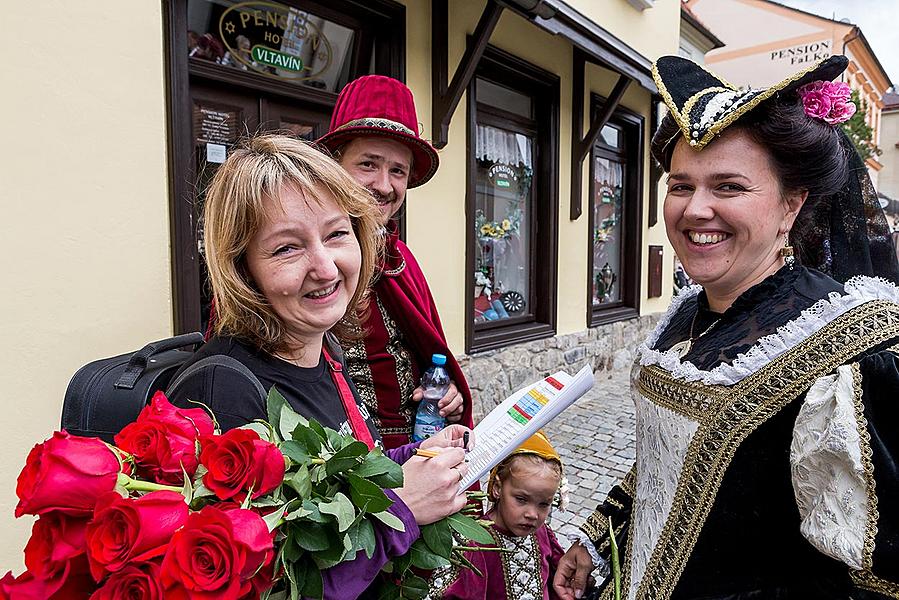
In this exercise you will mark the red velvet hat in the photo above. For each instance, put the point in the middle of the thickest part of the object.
(383, 106)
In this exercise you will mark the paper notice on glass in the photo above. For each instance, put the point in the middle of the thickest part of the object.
(519, 417)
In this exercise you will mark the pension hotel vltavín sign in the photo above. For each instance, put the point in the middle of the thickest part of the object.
(274, 39)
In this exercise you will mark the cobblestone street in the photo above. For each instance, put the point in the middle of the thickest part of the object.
(595, 438)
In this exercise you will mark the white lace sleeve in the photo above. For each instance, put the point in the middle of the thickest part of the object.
(598, 562)
(830, 462)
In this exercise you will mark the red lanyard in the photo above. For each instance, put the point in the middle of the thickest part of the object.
(357, 423)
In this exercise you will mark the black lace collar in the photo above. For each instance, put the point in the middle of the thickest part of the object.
(758, 312)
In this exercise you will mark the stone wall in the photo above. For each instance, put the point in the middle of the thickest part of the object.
(495, 374)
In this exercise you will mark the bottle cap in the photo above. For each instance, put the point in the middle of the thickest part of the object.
(438, 359)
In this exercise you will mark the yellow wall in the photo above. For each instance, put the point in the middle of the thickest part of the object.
(436, 212)
(85, 241)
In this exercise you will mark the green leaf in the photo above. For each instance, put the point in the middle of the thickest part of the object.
(363, 537)
(318, 429)
(297, 513)
(381, 471)
(342, 509)
(188, 490)
(336, 440)
(297, 575)
(292, 550)
(333, 554)
(424, 558)
(308, 438)
(295, 451)
(274, 518)
(273, 404)
(439, 537)
(289, 419)
(390, 520)
(312, 537)
(469, 529)
(345, 458)
(300, 482)
(314, 514)
(414, 587)
(366, 495)
(313, 587)
(262, 429)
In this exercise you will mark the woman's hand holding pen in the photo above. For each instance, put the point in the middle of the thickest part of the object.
(431, 483)
(451, 436)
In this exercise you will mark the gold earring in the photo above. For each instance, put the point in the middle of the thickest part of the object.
(787, 252)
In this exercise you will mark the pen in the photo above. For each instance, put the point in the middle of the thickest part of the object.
(425, 453)
(465, 440)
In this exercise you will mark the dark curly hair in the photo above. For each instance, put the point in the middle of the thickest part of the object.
(806, 154)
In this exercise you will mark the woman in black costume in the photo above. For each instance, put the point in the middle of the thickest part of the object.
(767, 399)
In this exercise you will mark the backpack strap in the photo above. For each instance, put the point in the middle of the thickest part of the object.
(218, 360)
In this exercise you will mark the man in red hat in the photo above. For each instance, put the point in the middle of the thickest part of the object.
(374, 135)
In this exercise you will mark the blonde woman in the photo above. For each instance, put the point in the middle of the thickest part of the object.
(291, 245)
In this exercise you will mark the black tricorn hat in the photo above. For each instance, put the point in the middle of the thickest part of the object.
(703, 104)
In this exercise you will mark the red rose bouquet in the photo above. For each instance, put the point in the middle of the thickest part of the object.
(176, 510)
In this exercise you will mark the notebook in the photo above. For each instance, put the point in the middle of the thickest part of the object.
(519, 417)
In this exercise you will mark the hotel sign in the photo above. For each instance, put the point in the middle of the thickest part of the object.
(274, 39)
(804, 53)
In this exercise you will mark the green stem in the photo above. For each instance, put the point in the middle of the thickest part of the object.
(136, 485)
(482, 549)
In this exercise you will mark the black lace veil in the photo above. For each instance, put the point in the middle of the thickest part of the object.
(847, 234)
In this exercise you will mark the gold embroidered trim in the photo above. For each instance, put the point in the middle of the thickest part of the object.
(526, 559)
(396, 271)
(864, 443)
(692, 399)
(360, 372)
(867, 580)
(597, 524)
(747, 405)
(629, 483)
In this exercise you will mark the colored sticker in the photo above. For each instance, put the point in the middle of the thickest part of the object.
(551, 381)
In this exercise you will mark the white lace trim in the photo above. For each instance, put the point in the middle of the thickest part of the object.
(598, 562)
(828, 472)
(858, 290)
(663, 437)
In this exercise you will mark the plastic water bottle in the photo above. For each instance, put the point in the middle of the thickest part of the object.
(435, 383)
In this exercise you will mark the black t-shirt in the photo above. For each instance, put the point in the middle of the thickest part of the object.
(234, 400)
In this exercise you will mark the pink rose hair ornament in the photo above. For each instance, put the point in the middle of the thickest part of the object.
(828, 101)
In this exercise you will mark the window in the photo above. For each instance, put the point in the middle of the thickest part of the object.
(511, 202)
(615, 220)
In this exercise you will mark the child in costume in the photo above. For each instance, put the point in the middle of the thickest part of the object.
(522, 489)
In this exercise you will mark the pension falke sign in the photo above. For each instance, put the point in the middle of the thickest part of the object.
(804, 53)
(264, 36)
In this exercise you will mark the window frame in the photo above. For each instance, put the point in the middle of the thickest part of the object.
(382, 25)
(632, 127)
(503, 68)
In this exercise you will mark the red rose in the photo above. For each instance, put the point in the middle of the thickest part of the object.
(163, 439)
(238, 461)
(66, 473)
(216, 555)
(133, 582)
(76, 586)
(131, 530)
(56, 540)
